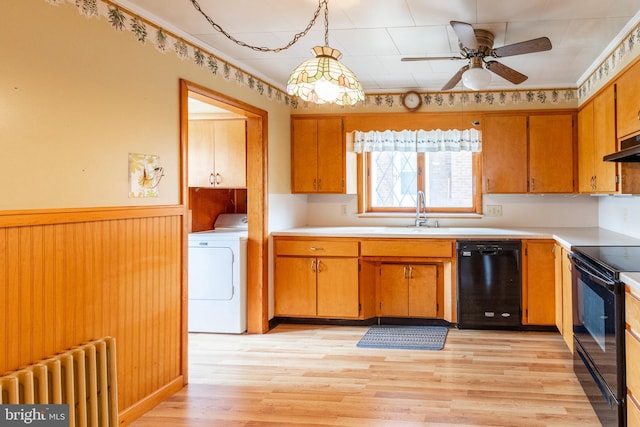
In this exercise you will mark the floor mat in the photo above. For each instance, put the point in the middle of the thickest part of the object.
(405, 337)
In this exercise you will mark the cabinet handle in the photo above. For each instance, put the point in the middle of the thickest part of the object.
(315, 248)
(212, 178)
(404, 272)
(533, 184)
(488, 184)
(319, 184)
(218, 179)
(315, 184)
(410, 272)
(638, 114)
(313, 265)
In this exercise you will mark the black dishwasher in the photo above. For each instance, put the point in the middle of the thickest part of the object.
(489, 284)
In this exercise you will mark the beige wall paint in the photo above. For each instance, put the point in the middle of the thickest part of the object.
(76, 97)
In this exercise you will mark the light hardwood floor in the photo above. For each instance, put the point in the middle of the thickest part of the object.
(302, 375)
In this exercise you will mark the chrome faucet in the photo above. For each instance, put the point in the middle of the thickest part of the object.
(420, 207)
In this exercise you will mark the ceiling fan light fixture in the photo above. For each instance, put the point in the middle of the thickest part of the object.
(476, 77)
(324, 79)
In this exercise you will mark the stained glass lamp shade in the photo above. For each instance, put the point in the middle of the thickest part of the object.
(324, 79)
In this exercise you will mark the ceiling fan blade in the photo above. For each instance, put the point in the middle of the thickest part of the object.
(455, 79)
(465, 34)
(535, 45)
(430, 58)
(505, 72)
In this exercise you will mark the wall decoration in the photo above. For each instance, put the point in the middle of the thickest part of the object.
(144, 175)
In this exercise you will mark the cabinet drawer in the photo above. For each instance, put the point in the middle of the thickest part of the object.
(407, 248)
(632, 312)
(633, 411)
(633, 362)
(345, 248)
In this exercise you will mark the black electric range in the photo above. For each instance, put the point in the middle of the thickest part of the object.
(613, 259)
(598, 326)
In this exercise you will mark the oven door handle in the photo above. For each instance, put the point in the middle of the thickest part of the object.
(592, 273)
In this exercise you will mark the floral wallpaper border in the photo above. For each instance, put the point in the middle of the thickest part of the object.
(627, 46)
(145, 31)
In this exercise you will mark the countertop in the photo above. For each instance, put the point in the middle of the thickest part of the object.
(566, 236)
(631, 279)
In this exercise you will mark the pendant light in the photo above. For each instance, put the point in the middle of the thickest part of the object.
(324, 79)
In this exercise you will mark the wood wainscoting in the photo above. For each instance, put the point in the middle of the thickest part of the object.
(69, 276)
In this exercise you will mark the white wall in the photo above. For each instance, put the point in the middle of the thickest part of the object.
(620, 214)
(517, 211)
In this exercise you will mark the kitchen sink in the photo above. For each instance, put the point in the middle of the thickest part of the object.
(418, 230)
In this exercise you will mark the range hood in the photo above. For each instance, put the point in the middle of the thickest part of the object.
(629, 151)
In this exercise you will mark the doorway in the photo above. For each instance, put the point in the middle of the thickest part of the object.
(256, 199)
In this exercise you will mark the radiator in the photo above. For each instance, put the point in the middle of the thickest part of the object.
(83, 377)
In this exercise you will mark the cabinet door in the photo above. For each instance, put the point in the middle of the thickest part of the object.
(557, 269)
(295, 286)
(423, 291)
(230, 156)
(337, 287)
(551, 160)
(304, 155)
(394, 290)
(540, 277)
(504, 154)
(567, 300)
(200, 153)
(331, 156)
(628, 101)
(604, 129)
(586, 150)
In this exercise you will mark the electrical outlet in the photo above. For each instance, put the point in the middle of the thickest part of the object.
(343, 210)
(493, 210)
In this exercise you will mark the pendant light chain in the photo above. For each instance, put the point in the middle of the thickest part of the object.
(321, 4)
(326, 21)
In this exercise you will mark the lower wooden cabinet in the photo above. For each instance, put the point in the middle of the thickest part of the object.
(316, 286)
(322, 287)
(563, 295)
(632, 345)
(408, 290)
(538, 287)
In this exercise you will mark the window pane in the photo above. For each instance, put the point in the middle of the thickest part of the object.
(393, 178)
(448, 180)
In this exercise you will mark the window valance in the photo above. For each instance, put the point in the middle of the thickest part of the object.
(418, 140)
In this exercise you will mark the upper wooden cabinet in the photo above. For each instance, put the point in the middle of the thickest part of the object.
(217, 153)
(628, 101)
(551, 153)
(504, 154)
(318, 155)
(596, 138)
(528, 153)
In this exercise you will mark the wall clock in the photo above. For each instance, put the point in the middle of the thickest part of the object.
(411, 100)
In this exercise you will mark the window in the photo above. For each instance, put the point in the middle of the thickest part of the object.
(391, 180)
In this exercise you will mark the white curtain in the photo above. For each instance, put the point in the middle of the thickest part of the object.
(418, 140)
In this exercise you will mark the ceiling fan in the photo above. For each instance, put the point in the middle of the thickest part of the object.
(476, 45)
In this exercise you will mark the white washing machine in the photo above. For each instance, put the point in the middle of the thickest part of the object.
(217, 271)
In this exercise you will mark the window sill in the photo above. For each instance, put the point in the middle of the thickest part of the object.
(404, 215)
